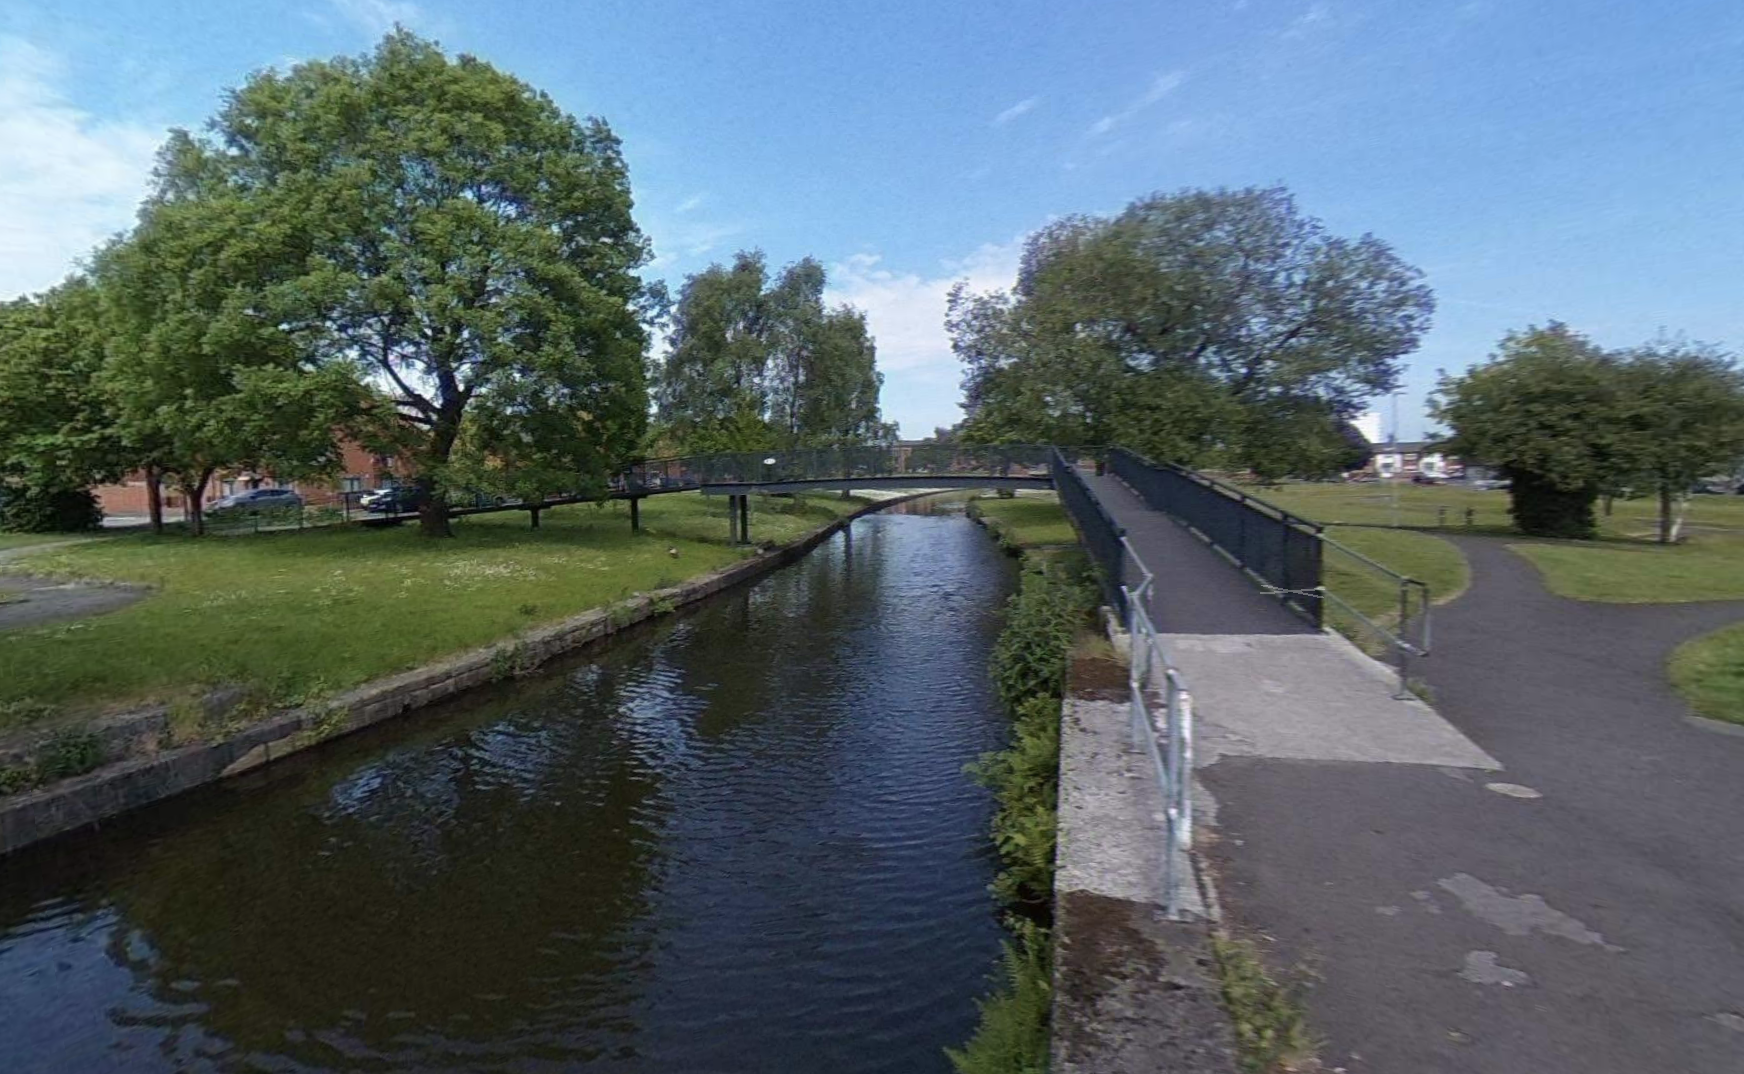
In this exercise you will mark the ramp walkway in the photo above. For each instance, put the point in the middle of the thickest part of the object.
(1265, 681)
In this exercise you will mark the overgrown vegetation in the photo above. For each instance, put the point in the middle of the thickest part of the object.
(1270, 1019)
(69, 753)
(1029, 666)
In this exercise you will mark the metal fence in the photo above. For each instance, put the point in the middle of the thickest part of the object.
(837, 463)
(1105, 538)
(1280, 549)
(1158, 701)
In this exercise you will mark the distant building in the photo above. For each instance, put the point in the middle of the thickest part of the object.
(360, 471)
(1411, 458)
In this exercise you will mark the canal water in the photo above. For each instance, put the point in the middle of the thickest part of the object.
(739, 840)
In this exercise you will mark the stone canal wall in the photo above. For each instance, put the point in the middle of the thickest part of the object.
(148, 773)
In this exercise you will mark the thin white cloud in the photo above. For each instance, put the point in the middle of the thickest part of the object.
(1021, 108)
(67, 179)
(690, 204)
(1161, 86)
(906, 313)
(377, 17)
(1305, 23)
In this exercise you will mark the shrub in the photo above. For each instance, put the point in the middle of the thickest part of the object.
(28, 509)
(1030, 657)
(1012, 1037)
(1024, 777)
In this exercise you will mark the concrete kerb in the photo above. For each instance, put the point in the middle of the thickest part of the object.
(148, 773)
(1133, 989)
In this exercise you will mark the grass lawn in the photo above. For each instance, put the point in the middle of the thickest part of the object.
(1704, 568)
(24, 540)
(1709, 672)
(294, 614)
(1420, 506)
(1429, 506)
(1422, 556)
(1030, 520)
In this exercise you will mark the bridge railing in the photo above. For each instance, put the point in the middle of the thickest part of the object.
(1279, 549)
(836, 464)
(1104, 537)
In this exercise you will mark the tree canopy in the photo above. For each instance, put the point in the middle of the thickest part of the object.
(1566, 420)
(449, 230)
(1205, 327)
(57, 434)
(755, 364)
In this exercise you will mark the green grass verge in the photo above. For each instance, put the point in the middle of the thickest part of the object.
(1706, 568)
(1029, 520)
(1422, 556)
(1429, 506)
(296, 614)
(1709, 672)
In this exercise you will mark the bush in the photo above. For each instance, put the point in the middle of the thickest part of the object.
(1025, 778)
(1029, 659)
(1541, 509)
(27, 509)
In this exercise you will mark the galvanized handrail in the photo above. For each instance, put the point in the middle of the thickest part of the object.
(1414, 606)
(1172, 760)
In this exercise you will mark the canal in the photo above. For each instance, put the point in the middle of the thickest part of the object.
(738, 840)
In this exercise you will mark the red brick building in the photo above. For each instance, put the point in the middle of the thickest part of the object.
(360, 471)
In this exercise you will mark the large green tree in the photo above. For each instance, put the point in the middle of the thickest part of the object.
(1682, 419)
(460, 237)
(1548, 411)
(1219, 326)
(201, 374)
(57, 434)
(755, 364)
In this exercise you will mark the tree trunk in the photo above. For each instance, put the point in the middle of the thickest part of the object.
(432, 509)
(1664, 512)
(194, 500)
(154, 497)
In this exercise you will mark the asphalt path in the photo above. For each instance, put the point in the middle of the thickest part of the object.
(1580, 911)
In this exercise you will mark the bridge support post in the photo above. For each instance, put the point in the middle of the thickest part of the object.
(732, 518)
(635, 514)
(744, 520)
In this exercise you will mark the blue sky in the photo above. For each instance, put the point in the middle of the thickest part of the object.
(1538, 160)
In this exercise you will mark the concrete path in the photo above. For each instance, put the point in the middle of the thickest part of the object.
(1582, 911)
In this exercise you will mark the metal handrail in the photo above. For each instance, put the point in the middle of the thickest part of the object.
(1412, 595)
(1172, 759)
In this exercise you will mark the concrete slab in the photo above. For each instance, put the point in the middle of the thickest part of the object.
(1112, 829)
(1309, 697)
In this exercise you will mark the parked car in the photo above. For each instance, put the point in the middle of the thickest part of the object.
(256, 500)
(392, 501)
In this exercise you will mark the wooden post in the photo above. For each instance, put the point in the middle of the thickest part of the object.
(635, 514)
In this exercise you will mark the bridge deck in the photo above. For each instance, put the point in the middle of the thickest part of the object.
(1196, 590)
